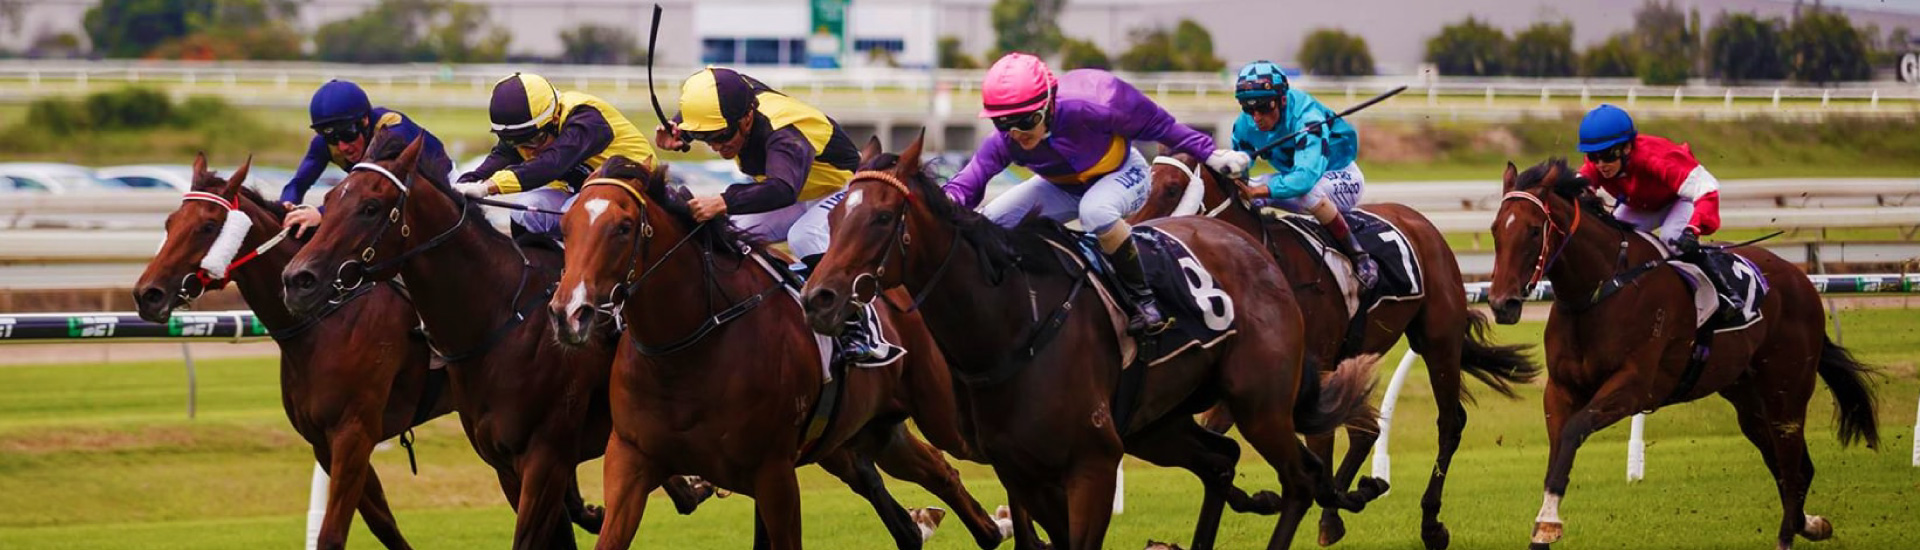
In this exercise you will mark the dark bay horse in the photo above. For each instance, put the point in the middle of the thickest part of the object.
(533, 409)
(1629, 351)
(1439, 326)
(717, 372)
(348, 380)
(1041, 406)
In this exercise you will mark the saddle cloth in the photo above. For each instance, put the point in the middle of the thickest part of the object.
(1202, 314)
(1400, 269)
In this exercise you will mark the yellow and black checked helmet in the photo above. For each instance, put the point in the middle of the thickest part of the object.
(712, 99)
(523, 105)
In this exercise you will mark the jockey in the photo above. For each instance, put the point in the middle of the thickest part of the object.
(1074, 132)
(343, 123)
(549, 142)
(1316, 172)
(800, 161)
(1662, 189)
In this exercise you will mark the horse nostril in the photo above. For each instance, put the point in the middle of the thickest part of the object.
(303, 280)
(822, 298)
(152, 296)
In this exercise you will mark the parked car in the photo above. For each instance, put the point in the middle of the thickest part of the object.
(55, 178)
(178, 177)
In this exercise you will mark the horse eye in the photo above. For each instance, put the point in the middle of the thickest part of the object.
(210, 227)
(883, 218)
(1533, 231)
(369, 209)
(625, 228)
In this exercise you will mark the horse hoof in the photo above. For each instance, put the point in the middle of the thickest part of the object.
(1817, 529)
(592, 516)
(1157, 545)
(1436, 537)
(1332, 529)
(1545, 533)
(1265, 503)
(1370, 488)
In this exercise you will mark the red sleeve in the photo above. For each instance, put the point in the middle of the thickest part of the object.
(1706, 214)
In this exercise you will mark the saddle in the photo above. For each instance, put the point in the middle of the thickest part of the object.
(1400, 268)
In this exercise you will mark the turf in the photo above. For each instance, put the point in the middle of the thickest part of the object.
(102, 456)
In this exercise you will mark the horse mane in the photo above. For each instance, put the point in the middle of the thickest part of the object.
(273, 208)
(386, 145)
(1572, 186)
(720, 237)
(1024, 247)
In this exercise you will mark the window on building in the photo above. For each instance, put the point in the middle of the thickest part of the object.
(719, 51)
(797, 52)
(762, 51)
(895, 45)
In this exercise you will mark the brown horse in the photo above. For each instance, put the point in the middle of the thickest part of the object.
(1439, 326)
(1041, 359)
(716, 346)
(348, 379)
(533, 409)
(1626, 349)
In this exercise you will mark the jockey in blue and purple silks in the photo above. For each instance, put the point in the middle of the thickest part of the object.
(1074, 133)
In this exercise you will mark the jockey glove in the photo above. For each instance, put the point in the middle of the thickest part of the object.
(1688, 243)
(1229, 162)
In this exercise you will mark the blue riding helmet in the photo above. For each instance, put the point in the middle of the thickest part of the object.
(1605, 127)
(1260, 79)
(338, 100)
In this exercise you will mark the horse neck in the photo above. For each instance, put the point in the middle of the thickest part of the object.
(676, 296)
(957, 310)
(463, 287)
(1589, 258)
(1236, 213)
(259, 280)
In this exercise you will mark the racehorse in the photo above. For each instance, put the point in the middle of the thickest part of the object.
(531, 408)
(1438, 325)
(716, 346)
(1621, 339)
(1039, 358)
(349, 378)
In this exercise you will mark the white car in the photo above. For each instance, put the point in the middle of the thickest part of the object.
(178, 177)
(47, 177)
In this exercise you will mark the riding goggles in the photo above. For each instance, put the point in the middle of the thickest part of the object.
(711, 136)
(517, 139)
(340, 132)
(1259, 104)
(1609, 154)
(1020, 122)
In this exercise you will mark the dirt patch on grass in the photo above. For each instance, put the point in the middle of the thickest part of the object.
(95, 440)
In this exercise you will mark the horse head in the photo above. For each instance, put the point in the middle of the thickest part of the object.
(369, 227)
(608, 228)
(873, 232)
(1539, 213)
(175, 275)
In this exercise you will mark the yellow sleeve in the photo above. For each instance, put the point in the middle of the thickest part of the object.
(389, 119)
(506, 181)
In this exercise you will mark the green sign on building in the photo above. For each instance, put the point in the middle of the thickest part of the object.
(827, 43)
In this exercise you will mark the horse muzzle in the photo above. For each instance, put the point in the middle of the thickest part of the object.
(1506, 311)
(826, 310)
(572, 323)
(154, 303)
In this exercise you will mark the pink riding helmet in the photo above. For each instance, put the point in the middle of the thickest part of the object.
(1017, 83)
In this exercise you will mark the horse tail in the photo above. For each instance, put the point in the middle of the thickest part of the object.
(1343, 398)
(1499, 367)
(1854, 400)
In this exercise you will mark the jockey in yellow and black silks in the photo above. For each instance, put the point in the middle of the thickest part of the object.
(549, 141)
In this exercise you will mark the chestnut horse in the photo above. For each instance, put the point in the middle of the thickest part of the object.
(1625, 350)
(1439, 326)
(716, 347)
(533, 409)
(348, 379)
(1041, 359)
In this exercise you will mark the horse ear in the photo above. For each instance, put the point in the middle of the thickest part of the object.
(238, 179)
(910, 159)
(1553, 174)
(658, 176)
(871, 150)
(403, 166)
(199, 165)
(1507, 179)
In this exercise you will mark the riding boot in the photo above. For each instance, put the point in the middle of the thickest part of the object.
(1364, 267)
(1146, 318)
(860, 345)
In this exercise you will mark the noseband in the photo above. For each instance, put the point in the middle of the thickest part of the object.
(216, 277)
(899, 240)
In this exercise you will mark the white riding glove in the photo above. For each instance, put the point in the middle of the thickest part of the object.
(1229, 162)
(476, 189)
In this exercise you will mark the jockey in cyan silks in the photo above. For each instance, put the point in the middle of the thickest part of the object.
(1316, 173)
(1661, 188)
(800, 161)
(549, 142)
(343, 123)
(1075, 133)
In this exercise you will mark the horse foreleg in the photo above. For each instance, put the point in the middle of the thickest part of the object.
(1272, 436)
(346, 458)
(776, 500)
(545, 478)
(1089, 485)
(587, 516)
(379, 518)
(1615, 400)
(1176, 441)
(858, 473)
(630, 477)
(908, 459)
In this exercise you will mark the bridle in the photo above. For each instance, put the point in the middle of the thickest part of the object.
(396, 215)
(899, 240)
(1546, 259)
(1195, 195)
(217, 276)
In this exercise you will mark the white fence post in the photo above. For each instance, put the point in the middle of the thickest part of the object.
(1776, 99)
(1120, 487)
(1383, 464)
(1916, 443)
(1637, 449)
(316, 506)
(1631, 93)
